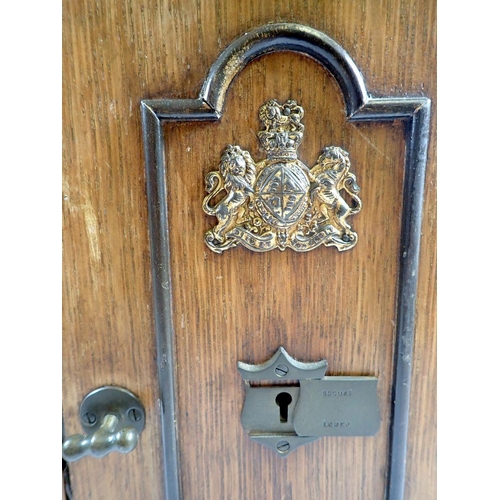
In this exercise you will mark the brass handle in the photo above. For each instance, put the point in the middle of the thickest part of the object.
(113, 418)
(105, 440)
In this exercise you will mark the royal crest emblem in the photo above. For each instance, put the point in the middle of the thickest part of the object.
(280, 202)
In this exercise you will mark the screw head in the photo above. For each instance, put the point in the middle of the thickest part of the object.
(283, 446)
(89, 418)
(134, 414)
(281, 370)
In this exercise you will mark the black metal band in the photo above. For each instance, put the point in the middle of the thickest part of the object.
(415, 111)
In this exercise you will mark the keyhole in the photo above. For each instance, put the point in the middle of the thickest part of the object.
(283, 400)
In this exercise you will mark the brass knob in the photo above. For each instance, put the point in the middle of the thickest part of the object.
(113, 418)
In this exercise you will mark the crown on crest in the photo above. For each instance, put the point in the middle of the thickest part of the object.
(283, 131)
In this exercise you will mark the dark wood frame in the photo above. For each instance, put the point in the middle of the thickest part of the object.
(360, 106)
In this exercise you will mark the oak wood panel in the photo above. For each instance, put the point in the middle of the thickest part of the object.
(116, 53)
(108, 333)
(242, 305)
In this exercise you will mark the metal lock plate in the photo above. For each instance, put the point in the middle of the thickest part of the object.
(266, 408)
(337, 406)
(286, 415)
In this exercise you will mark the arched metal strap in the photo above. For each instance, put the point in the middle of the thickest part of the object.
(278, 38)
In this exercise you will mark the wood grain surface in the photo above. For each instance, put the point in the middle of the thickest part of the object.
(239, 305)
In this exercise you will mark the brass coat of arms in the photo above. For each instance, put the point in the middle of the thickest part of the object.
(280, 202)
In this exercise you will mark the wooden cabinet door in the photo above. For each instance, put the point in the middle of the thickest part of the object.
(241, 305)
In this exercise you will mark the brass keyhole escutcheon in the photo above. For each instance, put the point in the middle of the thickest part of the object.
(310, 404)
(283, 400)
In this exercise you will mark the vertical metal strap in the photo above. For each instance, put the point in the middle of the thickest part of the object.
(162, 293)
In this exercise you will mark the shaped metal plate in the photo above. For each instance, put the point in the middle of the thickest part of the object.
(337, 406)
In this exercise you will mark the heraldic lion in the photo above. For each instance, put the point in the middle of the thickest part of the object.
(332, 175)
(237, 177)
